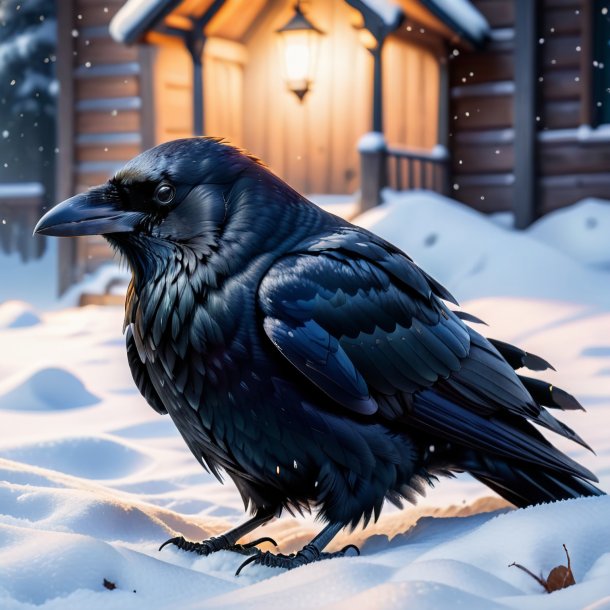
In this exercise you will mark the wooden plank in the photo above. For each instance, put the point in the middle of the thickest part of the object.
(526, 45)
(421, 18)
(224, 99)
(560, 114)
(235, 18)
(85, 180)
(172, 93)
(565, 4)
(101, 122)
(587, 108)
(106, 86)
(225, 50)
(560, 21)
(499, 13)
(64, 177)
(344, 139)
(475, 68)
(562, 158)
(486, 198)
(486, 158)
(103, 51)
(107, 152)
(560, 191)
(98, 249)
(561, 85)
(88, 298)
(480, 113)
(98, 13)
(560, 52)
(146, 58)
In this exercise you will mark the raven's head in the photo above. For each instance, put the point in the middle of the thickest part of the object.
(176, 192)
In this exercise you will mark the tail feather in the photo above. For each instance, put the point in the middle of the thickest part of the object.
(550, 396)
(519, 358)
(524, 485)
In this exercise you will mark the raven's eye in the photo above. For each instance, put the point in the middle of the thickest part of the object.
(164, 193)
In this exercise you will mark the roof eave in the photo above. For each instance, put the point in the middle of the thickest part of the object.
(476, 41)
(136, 17)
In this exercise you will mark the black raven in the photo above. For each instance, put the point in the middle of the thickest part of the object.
(312, 361)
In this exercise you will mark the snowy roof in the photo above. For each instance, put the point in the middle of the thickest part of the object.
(462, 17)
(138, 16)
(389, 12)
(14, 190)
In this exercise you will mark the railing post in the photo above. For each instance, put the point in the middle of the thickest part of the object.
(373, 169)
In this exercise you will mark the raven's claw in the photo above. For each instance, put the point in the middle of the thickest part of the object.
(308, 554)
(220, 543)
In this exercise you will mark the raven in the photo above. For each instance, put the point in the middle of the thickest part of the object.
(310, 360)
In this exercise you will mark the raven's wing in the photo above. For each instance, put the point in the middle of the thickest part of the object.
(364, 324)
(140, 375)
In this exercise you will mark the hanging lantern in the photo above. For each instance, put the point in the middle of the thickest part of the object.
(299, 40)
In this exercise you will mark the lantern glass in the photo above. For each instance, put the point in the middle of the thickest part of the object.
(299, 40)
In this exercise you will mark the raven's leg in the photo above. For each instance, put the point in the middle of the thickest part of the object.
(308, 554)
(228, 540)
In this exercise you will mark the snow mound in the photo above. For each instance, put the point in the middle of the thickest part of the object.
(17, 314)
(474, 257)
(49, 389)
(581, 231)
(90, 457)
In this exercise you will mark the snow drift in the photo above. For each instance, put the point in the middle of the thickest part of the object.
(92, 480)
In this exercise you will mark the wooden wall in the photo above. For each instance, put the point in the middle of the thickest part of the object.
(103, 110)
(411, 94)
(223, 90)
(570, 166)
(574, 163)
(313, 145)
(482, 96)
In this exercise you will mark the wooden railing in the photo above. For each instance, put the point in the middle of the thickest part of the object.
(399, 169)
(20, 208)
(408, 169)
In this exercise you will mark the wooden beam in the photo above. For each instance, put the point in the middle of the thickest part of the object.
(64, 168)
(147, 96)
(377, 122)
(587, 115)
(526, 44)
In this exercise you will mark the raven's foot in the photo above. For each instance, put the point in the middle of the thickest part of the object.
(220, 543)
(308, 554)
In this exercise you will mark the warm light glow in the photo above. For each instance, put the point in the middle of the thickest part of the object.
(367, 39)
(299, 40)
(297, 56)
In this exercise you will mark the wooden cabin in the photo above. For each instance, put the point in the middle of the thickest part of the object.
(482, 100)
(124, 94)
(530, 111)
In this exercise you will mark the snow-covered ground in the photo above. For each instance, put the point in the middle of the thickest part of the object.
(92, 480)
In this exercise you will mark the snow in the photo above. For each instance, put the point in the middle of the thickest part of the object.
(134, 17)
(15, 314)
(346, 206)
(20, 190)
(389, 12)
(373, 141)
(472, 260)
(108, 278)
(502, 34)
(464, 15)
(92, 480)
(34, 282)
(580, 230)
(583, 134)
(494, 88)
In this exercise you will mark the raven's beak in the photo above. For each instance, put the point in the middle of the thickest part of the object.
(96, 212)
